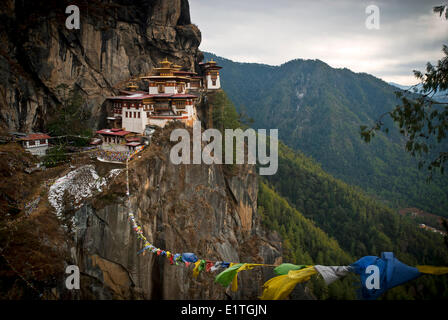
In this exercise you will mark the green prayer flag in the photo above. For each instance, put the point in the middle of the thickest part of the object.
(284, 268)
(226, 277)
(201, 265)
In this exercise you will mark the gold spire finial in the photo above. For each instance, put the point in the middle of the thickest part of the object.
(132, 85)
(165, 63)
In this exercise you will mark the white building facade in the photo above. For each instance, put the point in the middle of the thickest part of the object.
(211, 75)
(36, 143)
(170, 97)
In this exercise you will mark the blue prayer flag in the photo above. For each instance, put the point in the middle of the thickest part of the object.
(381, 274)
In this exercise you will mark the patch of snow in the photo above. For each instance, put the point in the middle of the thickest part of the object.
(299, 94)
(78, 185)
(113, 173)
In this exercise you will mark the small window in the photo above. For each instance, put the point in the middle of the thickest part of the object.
(126, 114)
(139, 115)
(161, 88)
(135, 115)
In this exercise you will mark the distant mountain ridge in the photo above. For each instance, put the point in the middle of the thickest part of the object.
(318, 110)
(441, 96)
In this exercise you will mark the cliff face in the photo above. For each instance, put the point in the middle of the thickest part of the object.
(208, 210)
(76, 214)
(118, 39)
(181, 208)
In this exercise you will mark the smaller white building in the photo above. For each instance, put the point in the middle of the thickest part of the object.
(134, 116)
(114, 140)
(36, 143)
(212, 80)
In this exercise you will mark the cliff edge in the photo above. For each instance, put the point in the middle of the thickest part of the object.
(76, 214)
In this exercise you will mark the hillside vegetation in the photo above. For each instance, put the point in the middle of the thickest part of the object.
(319, 110)
(324, 220)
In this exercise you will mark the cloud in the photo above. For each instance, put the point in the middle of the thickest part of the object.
(275, 32)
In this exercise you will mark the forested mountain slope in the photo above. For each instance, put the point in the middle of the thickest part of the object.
(353, 224)
(323, 220)
(318, 110)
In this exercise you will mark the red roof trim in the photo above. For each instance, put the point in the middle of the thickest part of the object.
(159, 95)
(132, 139)
(36, 136)
(168, 117)
(112, 133)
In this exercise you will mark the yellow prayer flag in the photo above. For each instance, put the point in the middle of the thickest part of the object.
(280, 287)
(433, 270)
(246, 266)
(196, 268)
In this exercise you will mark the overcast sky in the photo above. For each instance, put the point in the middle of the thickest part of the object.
(274, 32)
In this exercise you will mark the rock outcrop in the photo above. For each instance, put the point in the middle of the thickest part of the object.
(117, 40)
(181, 208)
(82, 218)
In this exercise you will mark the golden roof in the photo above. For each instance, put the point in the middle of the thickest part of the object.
(132, 86)
(165, 63)
(167, 70)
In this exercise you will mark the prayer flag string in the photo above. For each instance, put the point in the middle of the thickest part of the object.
(377, 274)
